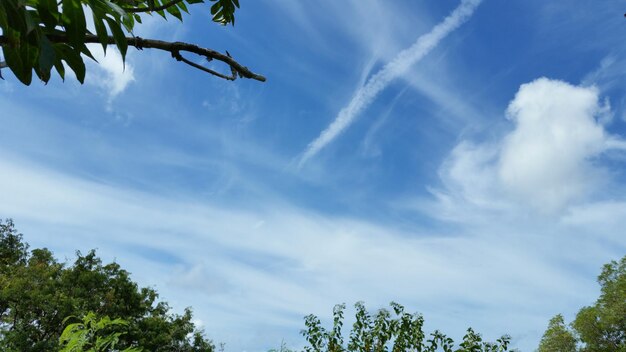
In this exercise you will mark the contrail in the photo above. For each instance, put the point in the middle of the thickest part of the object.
(395, 68)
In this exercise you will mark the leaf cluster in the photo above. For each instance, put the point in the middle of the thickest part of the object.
(41, 35)
(385, 331)
(91, 335)
(223, 11)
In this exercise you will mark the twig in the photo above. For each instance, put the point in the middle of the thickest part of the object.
(179, 57)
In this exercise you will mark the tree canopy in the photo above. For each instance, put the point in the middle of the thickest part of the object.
(41, 35)
(597, 328)
(557, 338)
(385, 331)
(38, 294)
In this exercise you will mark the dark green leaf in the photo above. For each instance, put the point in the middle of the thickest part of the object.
(72, 58)
(161, 13)
(48, 12)
(116, 9)
(174, 11)
(85, 50)
(3, 17)
(74, 22)
(101, 31)
(30, 22)
(129, 22)
(47, 57)
(215, 8)
(118, 36)
(182, 6)
(17, 65)
(14, 17)
(21, 61)
(58, 65)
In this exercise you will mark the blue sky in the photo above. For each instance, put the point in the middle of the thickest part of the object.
(464, 158)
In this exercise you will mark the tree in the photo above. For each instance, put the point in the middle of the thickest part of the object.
(557, 338)
(597, 328)
(378, 333)
(37, 293)
(39, 35)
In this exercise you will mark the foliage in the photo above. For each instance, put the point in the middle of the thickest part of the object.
(37, 293)
(90, 335)
(39, 35)
(600, 327)
(383, 332)
(223, 11)
(557, 338)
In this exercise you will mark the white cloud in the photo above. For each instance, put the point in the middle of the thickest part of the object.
(110, 74)
(392, 70)
(548, 161)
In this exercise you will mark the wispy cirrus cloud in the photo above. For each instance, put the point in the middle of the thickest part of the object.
(392, 70)
(264, 269)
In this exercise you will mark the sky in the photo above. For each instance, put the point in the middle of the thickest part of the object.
(464, 158)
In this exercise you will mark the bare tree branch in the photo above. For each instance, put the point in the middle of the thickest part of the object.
(179, 57)
(175, 48)
(3, 64)
(148, 9)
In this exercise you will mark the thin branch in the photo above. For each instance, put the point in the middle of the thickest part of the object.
(174, 48)
(179, 57)
(3, 64)
(148, 9)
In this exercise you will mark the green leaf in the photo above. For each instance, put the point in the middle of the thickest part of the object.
(18, 65)
(161, 13)
(72, 58)
(116, 9)
(118, 36)
(48, 12)
(74, 22)
(181, 5)
(101, 31)
(174, 11)
(215, 8)
(85, 50)
(30, 22)
(3, 17)
(223, 11)
(58, 65)
(14, 18)
(129, 22)
(47, 57)
(20, 58)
